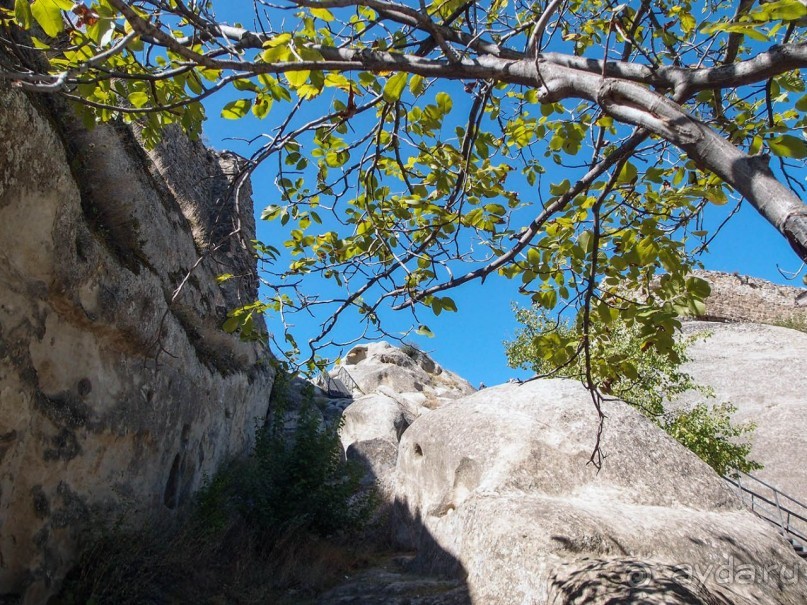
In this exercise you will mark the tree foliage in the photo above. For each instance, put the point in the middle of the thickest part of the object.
(571, 145)
(622, 366)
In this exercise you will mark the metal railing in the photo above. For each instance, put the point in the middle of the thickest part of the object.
(774, 506)
(341, 384)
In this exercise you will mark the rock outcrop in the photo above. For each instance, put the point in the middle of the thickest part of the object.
(406, 373)
(392, 387)
(119, 391)
(498, 481)
(494, 487)
(739, 298)
(762, 370)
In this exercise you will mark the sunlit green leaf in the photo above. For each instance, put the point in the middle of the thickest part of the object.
(49, 16)
(395, 86)
(424, 330)
(788, 146)
(236, 109)
(296, 79)
(138, 98)
(322, 13)
(22, 13)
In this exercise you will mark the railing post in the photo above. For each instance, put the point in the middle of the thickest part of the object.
(779, 511)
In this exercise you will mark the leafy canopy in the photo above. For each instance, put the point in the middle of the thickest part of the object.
(570, 145)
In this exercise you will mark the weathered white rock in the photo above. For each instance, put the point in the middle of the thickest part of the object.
(397, 386)
(374, 417)
(406, 372)
(762, 370)
(496, 486)
(112, 401)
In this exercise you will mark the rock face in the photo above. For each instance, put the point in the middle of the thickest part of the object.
(495, 486)
(739, 298)
(118, 390)
(762, 370)
(393, 387)
(408, 373)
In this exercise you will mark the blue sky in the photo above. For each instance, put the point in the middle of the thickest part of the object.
(470, 342)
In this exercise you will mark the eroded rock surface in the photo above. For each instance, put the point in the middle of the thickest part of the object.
(762, 370)
(497, 486)
(406, 373)
(118, 394)
(393, 386)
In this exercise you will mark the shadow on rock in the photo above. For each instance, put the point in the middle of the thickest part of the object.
(432, 576)
(628, 581)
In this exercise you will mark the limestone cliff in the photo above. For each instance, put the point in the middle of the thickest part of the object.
(118, 393)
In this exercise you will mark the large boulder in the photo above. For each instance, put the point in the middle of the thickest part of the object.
(393, 386)
(119, 392)
(762, 370)
(739, 298)
(497, 486)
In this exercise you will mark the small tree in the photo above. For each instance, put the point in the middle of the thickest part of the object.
(625, 368)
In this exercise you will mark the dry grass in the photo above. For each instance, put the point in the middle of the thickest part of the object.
(188, 564)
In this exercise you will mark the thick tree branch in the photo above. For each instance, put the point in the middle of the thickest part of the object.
(618, 87)
(492, 59)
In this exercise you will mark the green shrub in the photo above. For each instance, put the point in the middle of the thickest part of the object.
(624, 366)
(710, 433)
(302, 480)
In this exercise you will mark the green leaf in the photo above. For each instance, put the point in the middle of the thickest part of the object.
(698, 287)
(231, 324)
(628, 174)
(586, 240)
(437, 306)
(296, 79)
(424, 330)
(101, 32)
(278, 40)
(716, 195)
(277, 54)
(22, 13)
(394, 87)
(444, 102)
(417, 85)
(245, 84)
(236, 109)
(448, 304)
(271, 212)
(781, 10)
(49, 16)
(322, 13)
(687, 21)
(261, 107)
(220, 279)
(697, 308)
(560, 188)
(788, 146)
(337, 81)
(138, 98)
